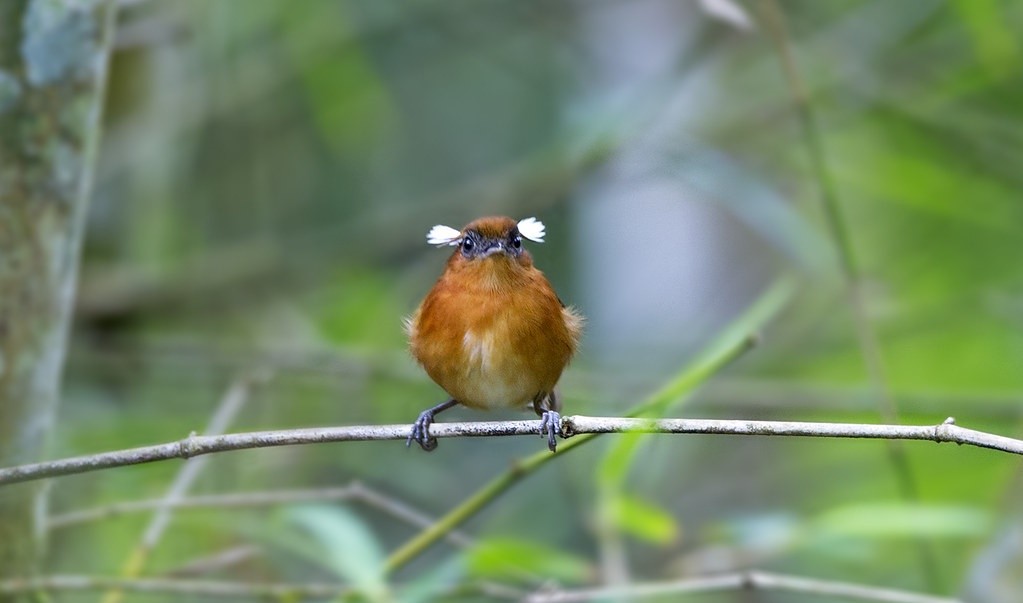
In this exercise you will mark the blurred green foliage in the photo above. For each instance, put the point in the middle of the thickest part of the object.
(270, 169)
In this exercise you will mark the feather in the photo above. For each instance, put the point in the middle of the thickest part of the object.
(492, 349)
(441, 235)
(532, 229)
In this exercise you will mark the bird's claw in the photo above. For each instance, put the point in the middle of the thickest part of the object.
(550, 426)
(421, 432)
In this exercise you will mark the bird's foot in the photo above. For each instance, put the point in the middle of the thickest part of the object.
(421, 428)
(550, 426)
(421, 432)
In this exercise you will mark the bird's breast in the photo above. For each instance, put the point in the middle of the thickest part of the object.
(491, 351)
(492, 374)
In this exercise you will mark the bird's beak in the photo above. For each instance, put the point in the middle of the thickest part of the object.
(496, 247)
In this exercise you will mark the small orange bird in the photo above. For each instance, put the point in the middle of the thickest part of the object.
(492, 331)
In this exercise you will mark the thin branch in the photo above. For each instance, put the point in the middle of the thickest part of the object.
(735, 340)
(399, 509)
(572, 425)
(214, 562)
(204, 501)
(946, 431)
(586, 428)
(731, 343)
(869, 343)
(748, 581)
(228, 408)
(355, 491)
(278, 591)
(195, 588)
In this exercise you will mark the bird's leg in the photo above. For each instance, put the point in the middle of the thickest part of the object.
(547, 406)
(421, 428)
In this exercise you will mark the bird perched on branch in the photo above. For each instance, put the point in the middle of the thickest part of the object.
(492, 332)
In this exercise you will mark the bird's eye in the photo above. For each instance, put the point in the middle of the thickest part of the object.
(467, 244)
(516, 242)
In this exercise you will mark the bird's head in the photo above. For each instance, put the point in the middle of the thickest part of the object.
(485, 240)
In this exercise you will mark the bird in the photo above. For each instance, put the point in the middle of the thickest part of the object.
(492, 332)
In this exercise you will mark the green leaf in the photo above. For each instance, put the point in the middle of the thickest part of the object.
(622, 453)
(516, 558)
(642, 519)
(615, 466)
(993, 39)
(341, 542)
(903, 520)
(430, 585)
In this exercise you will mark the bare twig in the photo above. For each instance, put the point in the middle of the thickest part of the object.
(219, 588)
(751, 581)
(227, 410)
(195, 588)
(573, 425)
(869, 343)
(399, 509)
(205, 501)
(214, 562)
(355, 491)
(730, 343)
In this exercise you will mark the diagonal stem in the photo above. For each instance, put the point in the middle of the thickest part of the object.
(870, 347)
(733, 342)
(227, 410)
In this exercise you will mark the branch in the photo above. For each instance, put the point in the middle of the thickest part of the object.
(869, 343)
(214, 562)
(279, 591)
(195, 588)
(204, 501)
(228, 408)
(572, 425)
(947, 431)
(748, 581)
(355, 491)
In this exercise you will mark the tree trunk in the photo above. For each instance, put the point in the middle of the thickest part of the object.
(53, 57)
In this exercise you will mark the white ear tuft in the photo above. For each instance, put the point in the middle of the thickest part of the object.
(532, 229)
(441, 235)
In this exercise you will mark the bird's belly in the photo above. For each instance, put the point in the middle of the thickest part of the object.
(488, 390)
(493, 376)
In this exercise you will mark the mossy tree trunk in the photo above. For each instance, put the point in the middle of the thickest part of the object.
(53, 57)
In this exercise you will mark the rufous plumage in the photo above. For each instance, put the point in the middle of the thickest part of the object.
(492, 332)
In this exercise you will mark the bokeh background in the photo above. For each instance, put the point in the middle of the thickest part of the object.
(268, 173)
